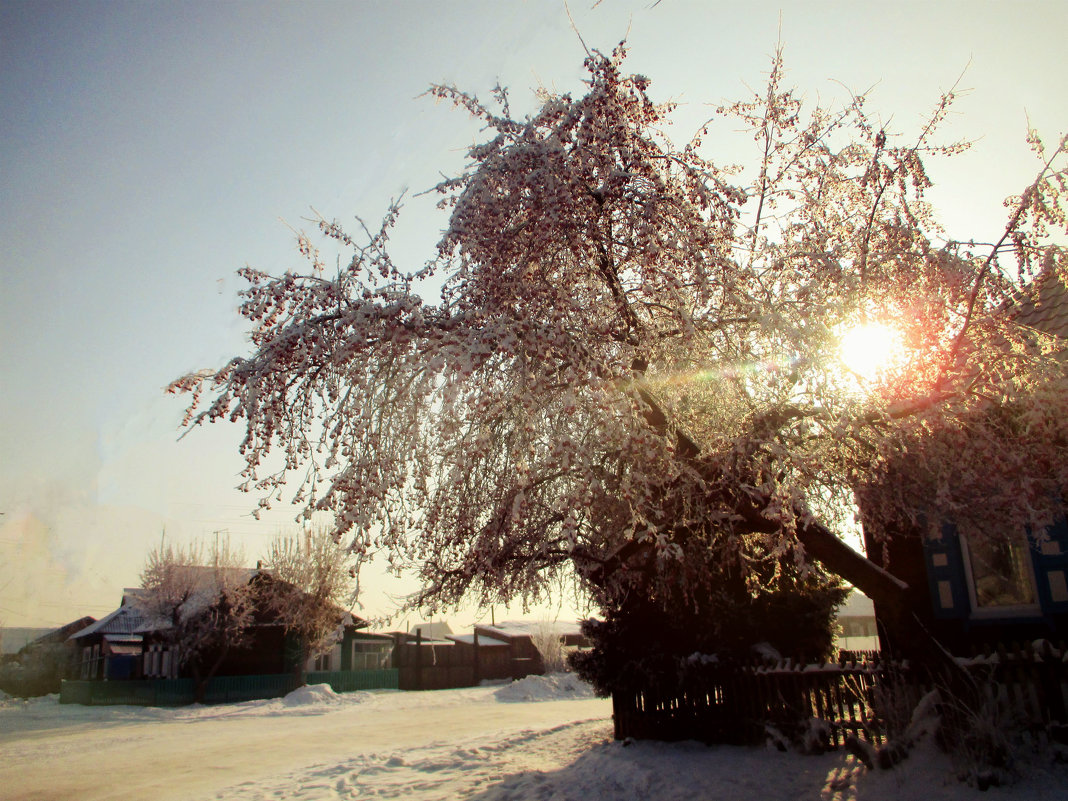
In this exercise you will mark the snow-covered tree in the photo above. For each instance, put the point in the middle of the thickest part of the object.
(200, 601)
(310, 585)
(635, 369)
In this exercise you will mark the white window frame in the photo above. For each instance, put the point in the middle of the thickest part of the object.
(371, 654)
(995, 612)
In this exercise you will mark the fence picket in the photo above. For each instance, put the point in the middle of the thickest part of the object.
(720, 704)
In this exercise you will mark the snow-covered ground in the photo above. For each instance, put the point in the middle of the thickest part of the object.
(539, 738)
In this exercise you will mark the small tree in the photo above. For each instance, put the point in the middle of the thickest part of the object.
(202, 604)
(550, 646)
(311, 581)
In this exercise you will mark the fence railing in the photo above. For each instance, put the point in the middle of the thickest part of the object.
(738, 704)
(220, 689)
(735, 704)
(347, 681)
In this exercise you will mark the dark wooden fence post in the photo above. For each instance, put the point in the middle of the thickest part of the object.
(418, 659)
(477, 664)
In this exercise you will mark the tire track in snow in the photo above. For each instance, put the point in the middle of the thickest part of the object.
(441, 770)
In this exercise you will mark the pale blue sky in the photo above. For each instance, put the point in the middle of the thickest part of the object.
(148, 150)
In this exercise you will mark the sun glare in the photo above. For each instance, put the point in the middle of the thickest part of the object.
(870, 348)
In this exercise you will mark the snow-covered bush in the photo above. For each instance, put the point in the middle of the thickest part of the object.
(650, 638)
(550, 647)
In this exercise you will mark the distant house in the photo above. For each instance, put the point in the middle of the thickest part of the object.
(522, 635)
(496, 652)
(132, 643)
(974, 594)
(524, 631)
(856, 624)
(45, 657)
(13, 638)
(493, 655)
(111, 648)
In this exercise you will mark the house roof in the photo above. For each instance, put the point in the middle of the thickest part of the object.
(364, 636)
(127, 619)
(483, 642)
(60, 634)
(15, 638)
(345, 616)
(134, 615)
(528, 628)
(432, 631)
(1043, 305)
(857, 605)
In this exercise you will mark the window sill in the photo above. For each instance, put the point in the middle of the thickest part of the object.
(1007, 612)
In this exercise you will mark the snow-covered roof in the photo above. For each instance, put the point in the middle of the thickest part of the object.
(62, 633)
(431, 631)
(483, 642)
(857, 605)
(424, 641)
(127, 619)
(520, 628)
(136, 616)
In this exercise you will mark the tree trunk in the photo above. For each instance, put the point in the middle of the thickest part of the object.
(304, 653)
(820, 543)
(887, 591)
(200, 681)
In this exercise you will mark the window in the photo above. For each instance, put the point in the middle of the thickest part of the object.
(322, 662)
(371, 654)
(1001, 577)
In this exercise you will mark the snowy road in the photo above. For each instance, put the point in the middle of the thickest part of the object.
(541, 739)
(244, 750)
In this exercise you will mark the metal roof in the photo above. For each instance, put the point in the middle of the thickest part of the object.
(124, 620)
(1044, 304)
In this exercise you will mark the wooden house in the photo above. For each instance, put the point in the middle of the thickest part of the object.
(492, 655)
(111, 647)
(42, 661)
(521, 638)
(972, 594)
(132, 643)
(856, 624)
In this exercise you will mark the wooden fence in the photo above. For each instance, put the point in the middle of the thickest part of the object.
(438, 665)
(220, 689)
(347, 681)
(869, 699)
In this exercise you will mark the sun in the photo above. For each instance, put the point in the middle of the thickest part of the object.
(869, 349)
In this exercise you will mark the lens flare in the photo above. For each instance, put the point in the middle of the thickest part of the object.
(869, 349)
